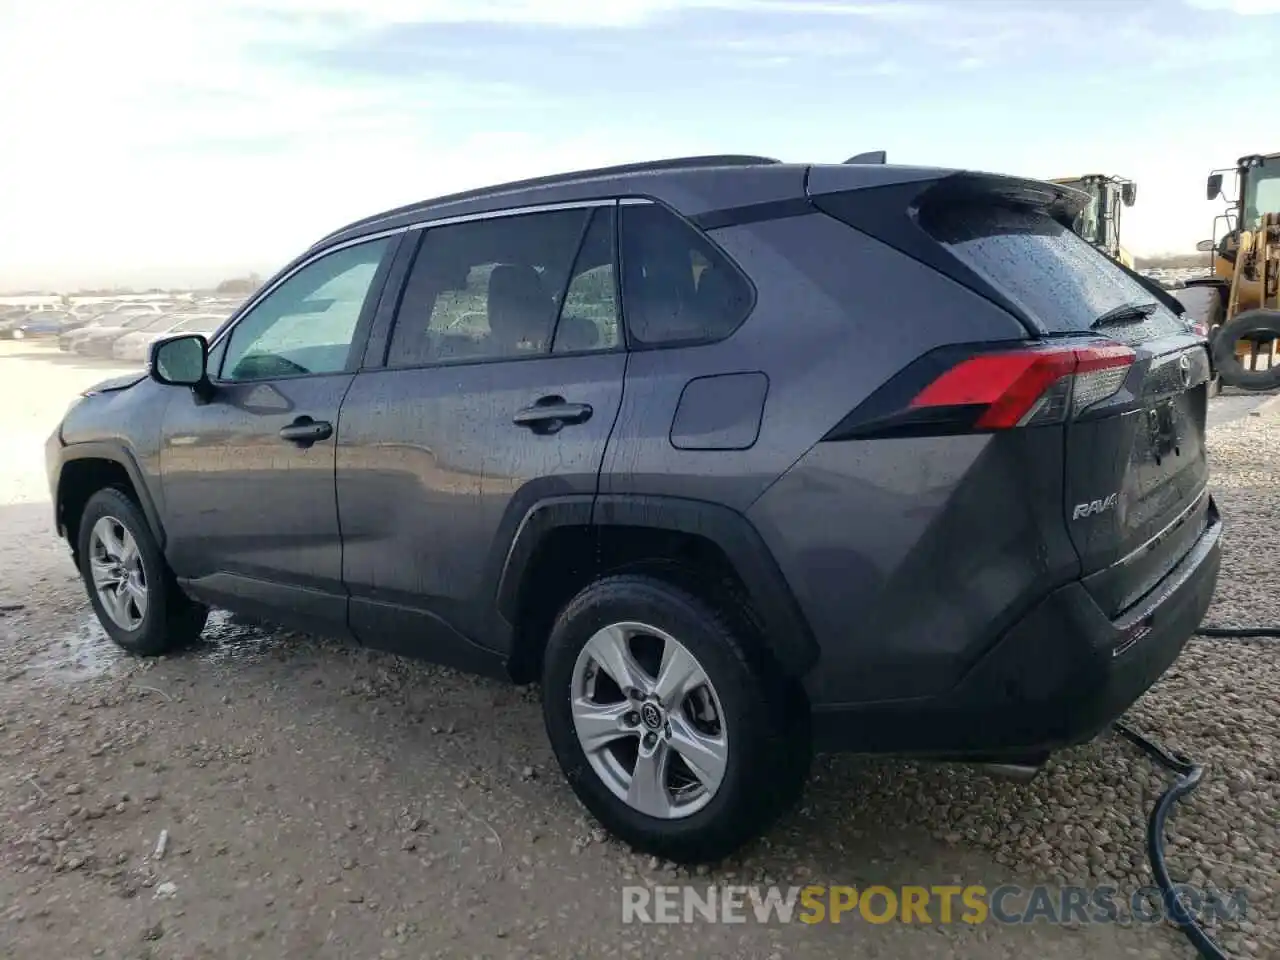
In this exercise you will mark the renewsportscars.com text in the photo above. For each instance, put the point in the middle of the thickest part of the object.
(972, 904)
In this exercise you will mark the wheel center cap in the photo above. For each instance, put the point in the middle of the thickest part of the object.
(652, 716)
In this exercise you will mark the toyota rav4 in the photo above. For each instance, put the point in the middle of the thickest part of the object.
(738, 459)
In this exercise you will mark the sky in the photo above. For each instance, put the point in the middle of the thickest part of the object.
(175, 142)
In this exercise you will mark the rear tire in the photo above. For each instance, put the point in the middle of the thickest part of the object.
(1230, 368)
(744, 728)
(130, 586)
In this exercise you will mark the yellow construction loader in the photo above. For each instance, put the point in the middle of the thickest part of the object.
(1239, 302)
(1099, 221)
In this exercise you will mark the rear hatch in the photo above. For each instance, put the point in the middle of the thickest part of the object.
(1135, 464)
(1132, 402)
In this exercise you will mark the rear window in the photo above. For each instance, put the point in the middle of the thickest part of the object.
(1057, 277)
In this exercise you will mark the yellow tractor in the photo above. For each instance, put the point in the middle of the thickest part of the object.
(1239, 302)
(1099, 220)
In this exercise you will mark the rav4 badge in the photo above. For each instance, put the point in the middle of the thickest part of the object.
(1094, 507)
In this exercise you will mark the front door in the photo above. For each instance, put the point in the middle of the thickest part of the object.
(491, 397)
(248, 477)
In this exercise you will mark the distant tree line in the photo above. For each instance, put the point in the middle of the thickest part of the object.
(240, 285)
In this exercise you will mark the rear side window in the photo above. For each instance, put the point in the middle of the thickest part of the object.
(1057, 277)
(677, 288)
(487, 289)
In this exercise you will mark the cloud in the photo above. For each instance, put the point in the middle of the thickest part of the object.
(803, 43)
(1244, 8)
(191, 134)
(579, 14)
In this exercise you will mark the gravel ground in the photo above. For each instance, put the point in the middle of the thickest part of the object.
(319, 800)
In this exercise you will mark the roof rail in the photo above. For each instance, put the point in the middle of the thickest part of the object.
(874, 156)
(673, 163)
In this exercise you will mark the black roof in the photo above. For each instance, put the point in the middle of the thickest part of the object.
(712, 161)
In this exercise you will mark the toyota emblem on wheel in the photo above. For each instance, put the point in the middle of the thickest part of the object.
(651, 716)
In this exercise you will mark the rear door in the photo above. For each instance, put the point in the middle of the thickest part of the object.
(496, 389)
(1136, 469)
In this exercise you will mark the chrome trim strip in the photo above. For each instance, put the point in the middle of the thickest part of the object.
(513, 212)
(1165, 531)
(503, 212)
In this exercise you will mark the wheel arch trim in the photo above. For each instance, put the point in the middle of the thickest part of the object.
(787, 633)
(119, 454)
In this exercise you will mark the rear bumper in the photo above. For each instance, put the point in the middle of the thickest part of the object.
(1059, 677)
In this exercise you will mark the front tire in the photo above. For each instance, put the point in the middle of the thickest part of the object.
(130, 586)
(668, 730)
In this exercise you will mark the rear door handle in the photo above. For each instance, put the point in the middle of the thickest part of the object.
(304, 431)
(550, 414)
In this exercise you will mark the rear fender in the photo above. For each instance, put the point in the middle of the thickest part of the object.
(786, 632)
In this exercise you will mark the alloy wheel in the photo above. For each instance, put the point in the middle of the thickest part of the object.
(118, 575)
(649, 720)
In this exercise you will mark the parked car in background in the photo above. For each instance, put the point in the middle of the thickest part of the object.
(103, 313)
(44, 325)
(8, 314)
(67, 337)
(107, 327)
(10, 321)
(11, 327)
(137, 345)
(99, 344)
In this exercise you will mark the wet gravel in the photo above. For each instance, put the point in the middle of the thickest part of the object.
(317, 800)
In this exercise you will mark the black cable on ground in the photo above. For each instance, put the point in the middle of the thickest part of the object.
(1240, 633)
(1189, 774)
(1188, 778)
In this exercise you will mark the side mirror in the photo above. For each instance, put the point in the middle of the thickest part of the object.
(1204, 246)
(1213, 186)
(1129, 193)
(181, 361)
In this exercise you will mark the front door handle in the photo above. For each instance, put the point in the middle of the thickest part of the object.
(550, 414)
(304, 431)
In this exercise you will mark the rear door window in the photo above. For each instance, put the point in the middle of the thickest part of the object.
(677, 287)
(1057, 277)
(487, 289)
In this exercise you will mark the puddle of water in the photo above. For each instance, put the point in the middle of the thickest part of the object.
(85, 653)
(227, 637)
(88, 652)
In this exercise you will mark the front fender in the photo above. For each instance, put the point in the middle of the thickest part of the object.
(111, 451)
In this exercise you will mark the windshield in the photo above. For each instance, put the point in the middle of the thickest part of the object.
(1261, 192)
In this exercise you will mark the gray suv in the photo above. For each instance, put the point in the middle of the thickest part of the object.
(739, 459)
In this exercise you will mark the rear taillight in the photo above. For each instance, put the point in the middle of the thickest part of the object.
(966, 389)
(1020, 388)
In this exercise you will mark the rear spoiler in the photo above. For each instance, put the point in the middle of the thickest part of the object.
(874, 156)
